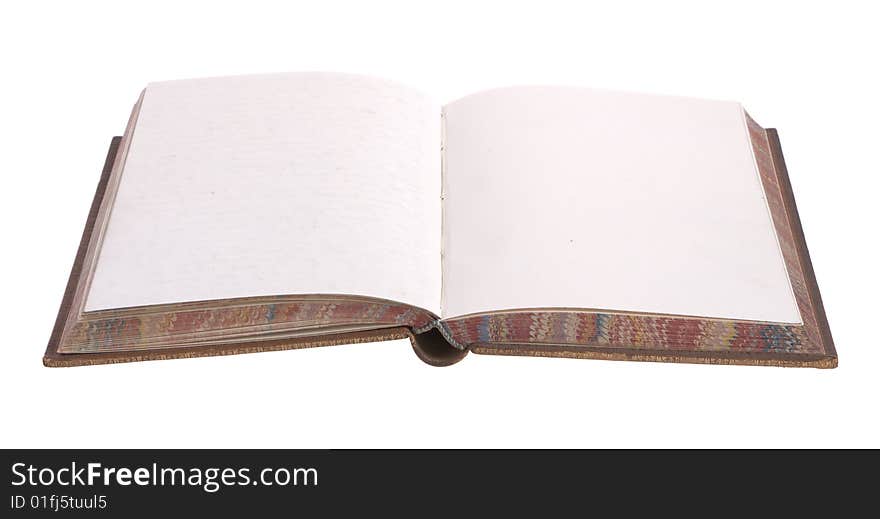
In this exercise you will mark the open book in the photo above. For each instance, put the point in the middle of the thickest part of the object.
(271, 212)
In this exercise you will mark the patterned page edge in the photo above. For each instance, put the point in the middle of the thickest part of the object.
(643, 337)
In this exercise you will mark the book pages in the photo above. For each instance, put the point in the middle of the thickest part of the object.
(304, 183)
(575, 198)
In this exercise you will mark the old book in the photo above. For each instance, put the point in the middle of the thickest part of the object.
(272, 212)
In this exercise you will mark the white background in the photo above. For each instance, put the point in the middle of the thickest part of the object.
(71, 71)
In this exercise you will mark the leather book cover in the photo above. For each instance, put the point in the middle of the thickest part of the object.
(816, 348)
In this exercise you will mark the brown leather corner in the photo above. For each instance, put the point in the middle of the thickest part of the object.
(817, 309)
(52, 357)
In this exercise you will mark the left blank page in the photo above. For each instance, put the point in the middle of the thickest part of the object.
(307, 183)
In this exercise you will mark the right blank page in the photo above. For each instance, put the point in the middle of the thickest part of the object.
(576, 198)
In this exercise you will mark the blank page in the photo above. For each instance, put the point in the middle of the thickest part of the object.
(305, 183)
(568, 197)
